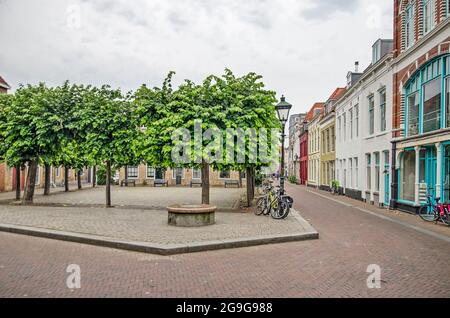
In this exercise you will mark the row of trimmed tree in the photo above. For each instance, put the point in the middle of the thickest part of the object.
(78, 126)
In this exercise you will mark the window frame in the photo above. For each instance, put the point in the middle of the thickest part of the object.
(147, 174)
(383, 118)
(427, 28)
(371, 99)
(128, 172)
(437, 68)
(409, 24)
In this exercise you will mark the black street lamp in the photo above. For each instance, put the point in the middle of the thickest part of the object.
(283, 109)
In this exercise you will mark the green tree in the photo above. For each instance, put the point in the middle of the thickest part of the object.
(111, 130)
(30, 132)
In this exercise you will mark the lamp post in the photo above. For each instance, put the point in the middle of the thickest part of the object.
(283, 109)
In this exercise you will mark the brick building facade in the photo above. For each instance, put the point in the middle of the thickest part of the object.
(421, 102)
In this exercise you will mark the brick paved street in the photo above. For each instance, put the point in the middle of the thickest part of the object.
(414, 264)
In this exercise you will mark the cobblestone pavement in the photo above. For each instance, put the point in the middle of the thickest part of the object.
(144, 197)
(413, 264)
(144, 225)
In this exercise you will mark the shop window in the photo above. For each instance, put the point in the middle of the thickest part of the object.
(446, 176)
(447, 99)
(413, 114)
(408, 176)
(432, 106)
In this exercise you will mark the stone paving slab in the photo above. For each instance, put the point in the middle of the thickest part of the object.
(148, 197)
(148, 231)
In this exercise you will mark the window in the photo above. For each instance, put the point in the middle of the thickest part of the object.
(323, 142)
(340, 129)
(377, 172)
(38, 175)
(446, 180)
(357, 120)
(409, 26)
(350, 114)
(58, 172)
(371, 115)
(345, 127)
(356, 173)
(432, 106)
(178, 172)
(150, 172)
(333, 140)
(408, 176)
(429, 15)
(369, 172)
(447, 98)
(413, 114)
(225, 174)
(328, 140)
(351, 173)
(196, 174)
(132, 172)
(383, 110)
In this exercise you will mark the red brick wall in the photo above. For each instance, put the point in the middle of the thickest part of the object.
(2, 177)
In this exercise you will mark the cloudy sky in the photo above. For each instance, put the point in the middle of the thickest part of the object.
(302, 48)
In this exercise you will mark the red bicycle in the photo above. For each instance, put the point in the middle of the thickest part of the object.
(435, 212)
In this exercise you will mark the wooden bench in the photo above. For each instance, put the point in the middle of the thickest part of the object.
(161, 182)
(196, 183)
(128, 182)
(232, 183)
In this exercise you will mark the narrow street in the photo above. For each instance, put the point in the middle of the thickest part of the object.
(413, 263)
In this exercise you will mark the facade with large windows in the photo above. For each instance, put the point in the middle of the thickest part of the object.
(146, 175)
(363, 121)
(314, 146)
(328, 141)
(421, 122)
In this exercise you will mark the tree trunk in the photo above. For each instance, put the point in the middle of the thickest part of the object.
(94, 176)
(79, 179)
(30, 182)
(18, 183)
(205, 183)
(240, 179)
(66, 179)
(108, 184)
(47, 180)
(250, 186)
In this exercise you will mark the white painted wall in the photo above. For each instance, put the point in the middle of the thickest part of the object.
(361, 143)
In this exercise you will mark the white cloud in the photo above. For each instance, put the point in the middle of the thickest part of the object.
(302, 51)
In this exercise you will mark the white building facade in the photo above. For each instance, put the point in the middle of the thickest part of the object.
(364, 130)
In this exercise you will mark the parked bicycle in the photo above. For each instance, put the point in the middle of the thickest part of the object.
(273, 202)
(431, 212)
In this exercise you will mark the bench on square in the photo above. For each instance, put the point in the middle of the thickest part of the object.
(161, 182)
(232, 183)
(127, 182)
(196, 183)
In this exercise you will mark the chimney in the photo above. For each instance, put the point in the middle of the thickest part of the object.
(356, 67)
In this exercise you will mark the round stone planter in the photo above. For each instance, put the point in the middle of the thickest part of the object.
(192, 215)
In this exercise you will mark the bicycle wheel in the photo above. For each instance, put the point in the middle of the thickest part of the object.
(280, 210)
(261, 206)
(445, 219)
(428, 213)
